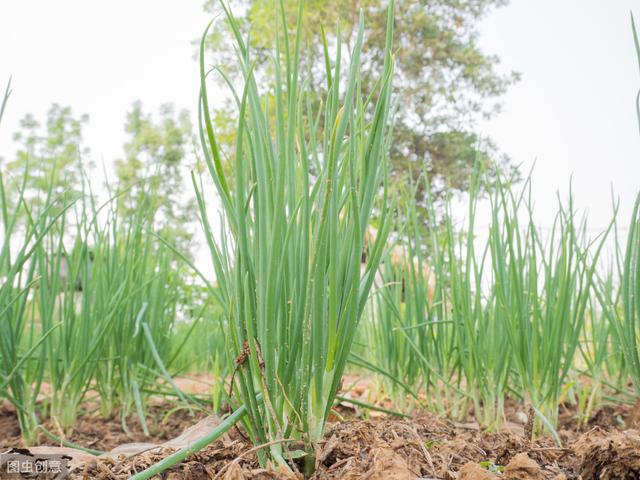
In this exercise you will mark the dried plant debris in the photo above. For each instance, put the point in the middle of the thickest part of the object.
(425, 447)
(609, 455)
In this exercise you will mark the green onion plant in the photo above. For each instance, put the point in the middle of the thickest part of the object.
(21, 358)
(436, 326)
(543, 290)
(288, 260)
(622, 308)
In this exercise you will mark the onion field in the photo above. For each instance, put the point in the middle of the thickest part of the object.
(347, 331)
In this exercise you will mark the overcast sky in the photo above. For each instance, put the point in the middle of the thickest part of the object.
(572, 113)
(574, 110)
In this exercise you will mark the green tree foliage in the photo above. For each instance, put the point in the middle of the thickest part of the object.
(444, 83)
(158, 152)
(49, 155)
(155, 189)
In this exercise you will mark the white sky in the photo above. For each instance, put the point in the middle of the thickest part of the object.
(573, 112)
(98, 57)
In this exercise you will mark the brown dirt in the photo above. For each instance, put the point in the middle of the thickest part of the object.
(607, 447)
(92, 431)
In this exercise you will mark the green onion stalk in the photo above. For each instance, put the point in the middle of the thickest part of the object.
(307, 179)
(543, 290)
(22, 364)
(621, 305)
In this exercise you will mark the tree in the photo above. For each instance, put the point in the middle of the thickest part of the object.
(156, 155)
(52, 156)
(443, 81)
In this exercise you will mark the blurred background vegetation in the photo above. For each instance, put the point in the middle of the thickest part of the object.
(444, 85)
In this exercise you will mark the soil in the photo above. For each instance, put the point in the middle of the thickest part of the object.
(607, 447)
(95, 432)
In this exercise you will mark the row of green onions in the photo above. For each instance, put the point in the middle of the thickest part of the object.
(89, 306)
(447, 320)
(468, 320)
